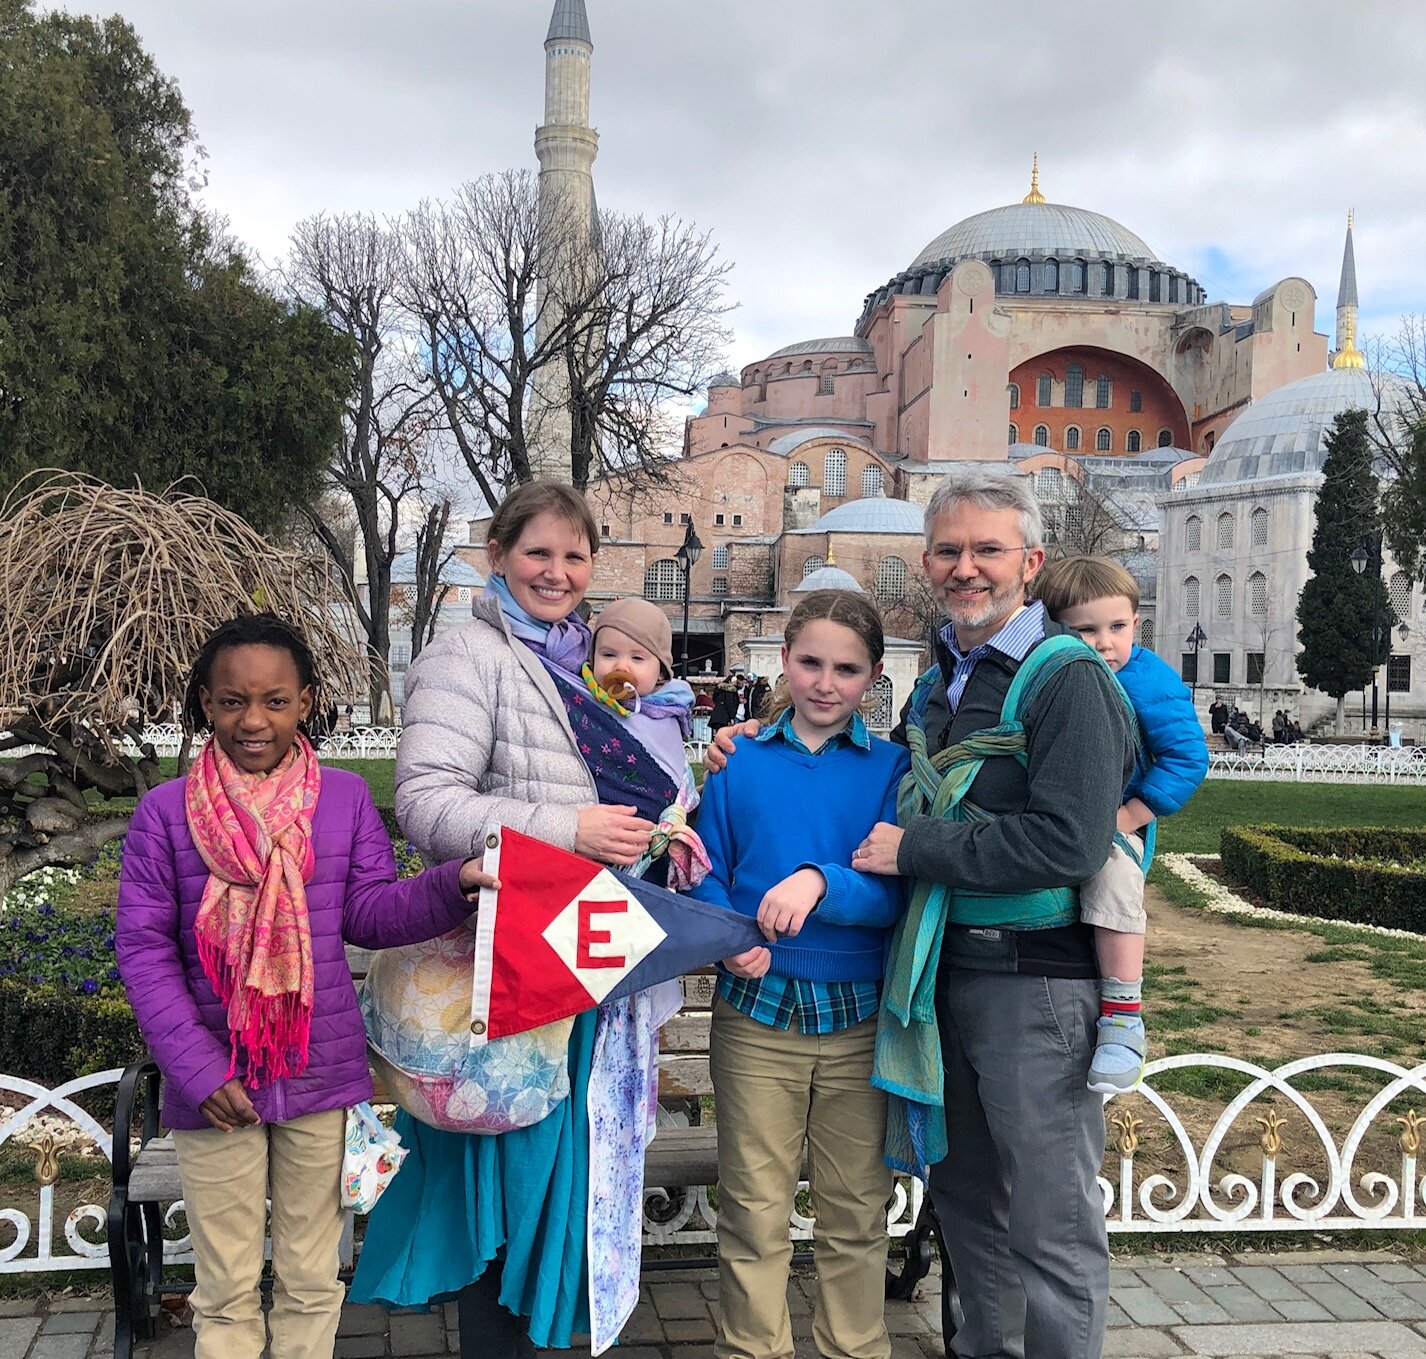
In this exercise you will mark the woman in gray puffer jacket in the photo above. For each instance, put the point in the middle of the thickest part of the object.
(504, 1222)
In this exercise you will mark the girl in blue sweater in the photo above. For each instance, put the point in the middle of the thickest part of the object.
(794, 1022)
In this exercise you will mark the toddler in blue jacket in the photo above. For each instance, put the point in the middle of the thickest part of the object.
(1099, 600)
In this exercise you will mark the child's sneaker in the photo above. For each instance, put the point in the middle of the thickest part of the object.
(1118, 1062)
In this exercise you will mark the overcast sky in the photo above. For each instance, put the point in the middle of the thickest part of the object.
(826, 142)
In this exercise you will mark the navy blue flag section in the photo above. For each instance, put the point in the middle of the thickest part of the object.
(563, 934)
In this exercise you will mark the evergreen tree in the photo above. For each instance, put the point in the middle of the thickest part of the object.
(136, 342)
(1337, 607)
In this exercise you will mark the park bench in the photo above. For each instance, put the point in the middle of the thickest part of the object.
(679, 1158)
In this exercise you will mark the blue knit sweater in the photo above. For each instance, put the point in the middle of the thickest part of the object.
(1175, 756)
(774, 810)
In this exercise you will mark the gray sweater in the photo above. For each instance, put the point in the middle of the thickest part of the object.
(1055, 817)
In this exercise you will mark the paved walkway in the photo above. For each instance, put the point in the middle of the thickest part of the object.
(1323, 1305)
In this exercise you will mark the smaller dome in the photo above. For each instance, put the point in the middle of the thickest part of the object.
(874, 514)
(789, 443)
(723, 379)
(1284, 433)
(835, 344)
(828, 578)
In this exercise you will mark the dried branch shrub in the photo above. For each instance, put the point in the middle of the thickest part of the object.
(108, 596)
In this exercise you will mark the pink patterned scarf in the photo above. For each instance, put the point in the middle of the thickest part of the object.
(254, 939)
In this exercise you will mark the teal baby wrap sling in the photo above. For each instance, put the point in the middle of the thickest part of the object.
(907, 1063)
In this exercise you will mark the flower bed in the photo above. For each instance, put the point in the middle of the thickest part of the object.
(1365, 875)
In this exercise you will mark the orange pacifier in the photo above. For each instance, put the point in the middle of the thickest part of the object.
(620, 687)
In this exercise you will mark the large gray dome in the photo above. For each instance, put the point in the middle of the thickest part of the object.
(1285, 433)
(1036, 229)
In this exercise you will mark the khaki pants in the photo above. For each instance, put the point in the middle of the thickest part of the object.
(226, 1177)
(774, 1088)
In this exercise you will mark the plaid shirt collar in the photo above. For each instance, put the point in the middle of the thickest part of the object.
(854, 733)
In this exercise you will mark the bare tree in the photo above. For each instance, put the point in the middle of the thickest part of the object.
(636, 325)
(382, 469)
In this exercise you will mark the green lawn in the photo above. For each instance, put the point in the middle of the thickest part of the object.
(1231, 802)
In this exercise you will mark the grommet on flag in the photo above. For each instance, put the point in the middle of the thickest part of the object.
(477, 1026)
(492, 841)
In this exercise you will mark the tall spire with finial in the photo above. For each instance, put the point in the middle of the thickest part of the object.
(1348, 355)
(566, 146)
(1034, 196)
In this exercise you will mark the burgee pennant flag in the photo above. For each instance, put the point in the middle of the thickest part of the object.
(564, 934)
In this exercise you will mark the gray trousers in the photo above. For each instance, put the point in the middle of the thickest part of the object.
(1021, 1212)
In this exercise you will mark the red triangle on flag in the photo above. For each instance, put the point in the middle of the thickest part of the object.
(527, 977)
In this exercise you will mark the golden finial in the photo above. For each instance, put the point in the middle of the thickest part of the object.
(1349, 356)
(1128, 1140)
(1272, 1126)
(1034, 196)
(47, 1166)
(831, 556)
(1351, 212)
(1411, 1134)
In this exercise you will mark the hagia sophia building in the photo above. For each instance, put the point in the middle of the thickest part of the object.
(1181, 434)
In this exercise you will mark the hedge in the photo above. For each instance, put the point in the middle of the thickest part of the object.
(50, 1036)
(1331, 873)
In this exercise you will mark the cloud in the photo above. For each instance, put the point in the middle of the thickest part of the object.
(826, 142)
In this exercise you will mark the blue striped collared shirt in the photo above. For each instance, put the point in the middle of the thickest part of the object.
(782, 1002)
(1014, 639)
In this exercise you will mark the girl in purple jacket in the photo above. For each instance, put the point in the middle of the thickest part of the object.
(240, 884)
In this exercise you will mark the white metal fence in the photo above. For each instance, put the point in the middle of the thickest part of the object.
(1270, 1160)
(1323, 764)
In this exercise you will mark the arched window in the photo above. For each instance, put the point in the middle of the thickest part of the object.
(798, 474)
(1044, 390)
(891, 578)
(1107, 287)
(1258, 528)
(1014, 434)
(1223, 596)
(1074, 385)
(1257, 594)
(1193, 534)
(1133, 442)
(1146, 634)
(1048, 483)
(834, 473)
(812, 564)
(664, 580)
(1191, 597)
(1014, 390)
(1155, 286)
(1022, 276)
(1166, 438)
(871, 480)
(1225, 529)
(720, 557)
(1074, 276)
(1072, 439)
(1101, 392)
(883, 713)
(1042, 436)
(1399, 592)
(1052, 276)
(1103, 440)
(1136, 402)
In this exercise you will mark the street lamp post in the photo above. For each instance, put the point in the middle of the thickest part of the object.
(1196, 639)
(686, 555)
(1361, 558)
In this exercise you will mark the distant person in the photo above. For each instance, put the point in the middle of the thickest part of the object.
(1235, 734)
(757, 697)
(1294, 730)
(1279, 726)
(1218, 716)
(725, 705)
(1099, 600)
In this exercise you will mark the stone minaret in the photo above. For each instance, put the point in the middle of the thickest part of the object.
(1347, 355)
(566, 146)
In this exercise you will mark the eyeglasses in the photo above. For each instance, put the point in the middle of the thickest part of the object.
(982, 554)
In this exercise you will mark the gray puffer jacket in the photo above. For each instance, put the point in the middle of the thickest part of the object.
(486, 742)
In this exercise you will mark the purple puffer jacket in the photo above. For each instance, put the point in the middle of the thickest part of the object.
(353, 896)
